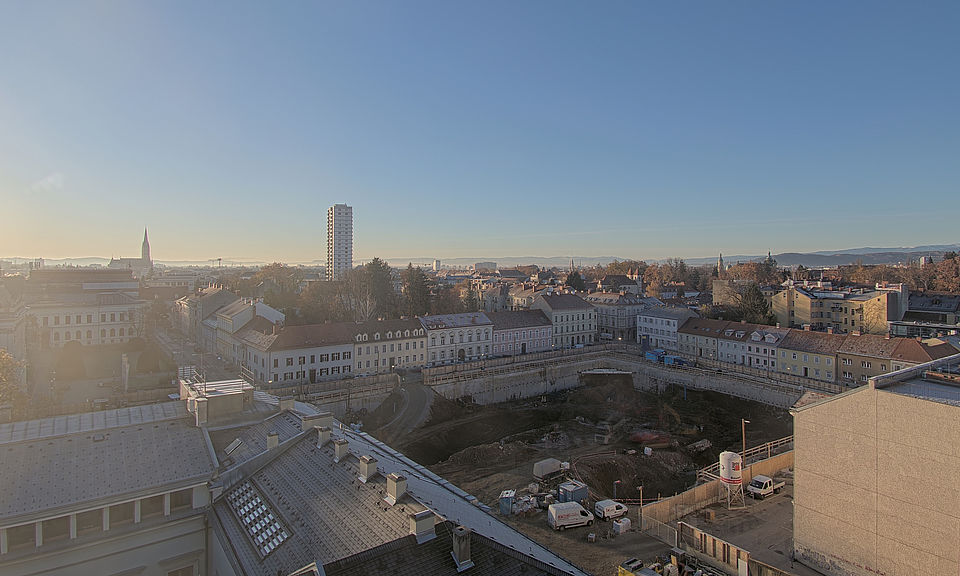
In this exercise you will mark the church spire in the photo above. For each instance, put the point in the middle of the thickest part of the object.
(145, 249)
(720, 267)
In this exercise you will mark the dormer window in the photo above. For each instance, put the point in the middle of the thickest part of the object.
(376, 336)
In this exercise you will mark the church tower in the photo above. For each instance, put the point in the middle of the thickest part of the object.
(145, 249)
(720, 268)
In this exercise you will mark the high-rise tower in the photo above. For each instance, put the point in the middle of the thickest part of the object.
(339, 240)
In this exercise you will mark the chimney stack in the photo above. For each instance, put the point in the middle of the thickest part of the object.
(829, 329)
(396, 488)
(422, 526)
(461, 548)
(323, 435)
(273, 440)
(319, 419)
(341, 449)
(368, 468)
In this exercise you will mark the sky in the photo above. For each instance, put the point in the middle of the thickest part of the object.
(460, 129)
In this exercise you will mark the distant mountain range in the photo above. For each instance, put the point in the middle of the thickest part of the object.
(824, 258)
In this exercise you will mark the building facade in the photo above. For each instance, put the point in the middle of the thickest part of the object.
(811, 355)
(339, 241)
(875, 474)
(521, 332)
(574, 320)
(658, 327)
(616, 313)
(384, 345)
(455, 338)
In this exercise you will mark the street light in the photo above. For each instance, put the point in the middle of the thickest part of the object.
(743, 433)
(615, 482)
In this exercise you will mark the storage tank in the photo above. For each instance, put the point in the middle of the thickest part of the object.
(730, 472)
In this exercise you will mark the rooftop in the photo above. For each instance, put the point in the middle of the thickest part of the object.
(565, 302)
(465, 320)
(518, 319)
(56, 465)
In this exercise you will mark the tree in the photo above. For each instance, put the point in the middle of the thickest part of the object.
(575, 281)
(754, 307)
(10, 391)
(359, 294)
(323, 302)
(416, 292)
(380, 277)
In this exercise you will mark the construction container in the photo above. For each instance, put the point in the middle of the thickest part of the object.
(546, 468)
(506, 502)
(572, 491)
(621, 526)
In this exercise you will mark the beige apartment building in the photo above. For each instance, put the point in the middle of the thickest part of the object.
(875, 477)
(383, 345)
(862, 357)
(574, 320)
(840, 310)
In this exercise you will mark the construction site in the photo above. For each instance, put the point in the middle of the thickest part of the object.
(604, 437)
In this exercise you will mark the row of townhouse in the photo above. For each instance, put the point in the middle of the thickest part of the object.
(271, 352)
(848, 359)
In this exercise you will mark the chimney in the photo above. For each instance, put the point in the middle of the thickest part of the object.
(273, 440)
(396, 488)
(829, 329)
(422, 526)
(778, 324)
(319, 419)
(341, 449)
(201, 408)
(286, 403)
(323, 435)
(806, 327)
(368, 468)
(461, 548)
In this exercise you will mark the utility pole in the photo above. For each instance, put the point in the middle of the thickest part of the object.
(743, 435)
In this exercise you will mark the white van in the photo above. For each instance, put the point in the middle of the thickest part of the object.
(564, 515)
(609, 509)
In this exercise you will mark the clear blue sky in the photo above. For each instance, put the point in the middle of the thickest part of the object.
(638, 129)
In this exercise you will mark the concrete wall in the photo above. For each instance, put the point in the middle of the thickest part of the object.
(697, 498)
(536, 378)
(876, 488)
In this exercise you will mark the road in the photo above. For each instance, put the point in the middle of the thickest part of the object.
(414, 409)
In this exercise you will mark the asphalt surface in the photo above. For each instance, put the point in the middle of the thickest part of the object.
(413, 411)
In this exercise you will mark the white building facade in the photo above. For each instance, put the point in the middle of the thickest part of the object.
(659, 327)
(458, 337)
(574, 320)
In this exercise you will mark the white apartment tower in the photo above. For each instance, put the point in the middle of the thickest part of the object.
(339, 240)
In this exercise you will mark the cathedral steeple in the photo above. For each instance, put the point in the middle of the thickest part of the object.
(145, 249)
(720, 268)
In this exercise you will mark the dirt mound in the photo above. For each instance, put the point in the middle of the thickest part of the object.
(661, 472)
(487, 454)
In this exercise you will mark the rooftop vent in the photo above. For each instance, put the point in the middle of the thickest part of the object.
(396, 488)
(323, 435)
(461, 548)
(368, 468)
(273, 440)
(422, 526)
(341, 449)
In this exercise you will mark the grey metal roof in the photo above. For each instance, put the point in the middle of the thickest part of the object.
(254, 438)
(90, 421)
(941, 392)
(55, 467)
(464, 320)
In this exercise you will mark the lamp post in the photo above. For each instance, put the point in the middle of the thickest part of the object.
(615, 482)
(743, 435)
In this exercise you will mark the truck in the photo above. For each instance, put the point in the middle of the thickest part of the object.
(671, 360)
(655, 355)
(546, 469)
(609, 509)
(762, 486)
(563, 515)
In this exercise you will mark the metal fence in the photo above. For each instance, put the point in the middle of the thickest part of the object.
(754, 454)
(662, 532)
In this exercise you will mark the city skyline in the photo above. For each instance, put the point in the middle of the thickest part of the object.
(495, 131)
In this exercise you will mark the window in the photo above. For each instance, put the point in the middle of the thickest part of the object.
(113, 317)
(335, 356)
(89, 318)
(313, 358)
(121, 332)
(66, 319)
(289, 361)
(113, 332)
(301, 360)
(275, 361)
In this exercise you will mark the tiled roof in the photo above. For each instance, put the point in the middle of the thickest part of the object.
(934, 302)
(869, 345)
(465, 320)
(704, 327)
(404, 557)
(397, 327)
(518, 319)
(812, 342)
(233, 308)
(253, 439)
(564, 302)
(669, 312)
(909, 350)
(314, 335)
